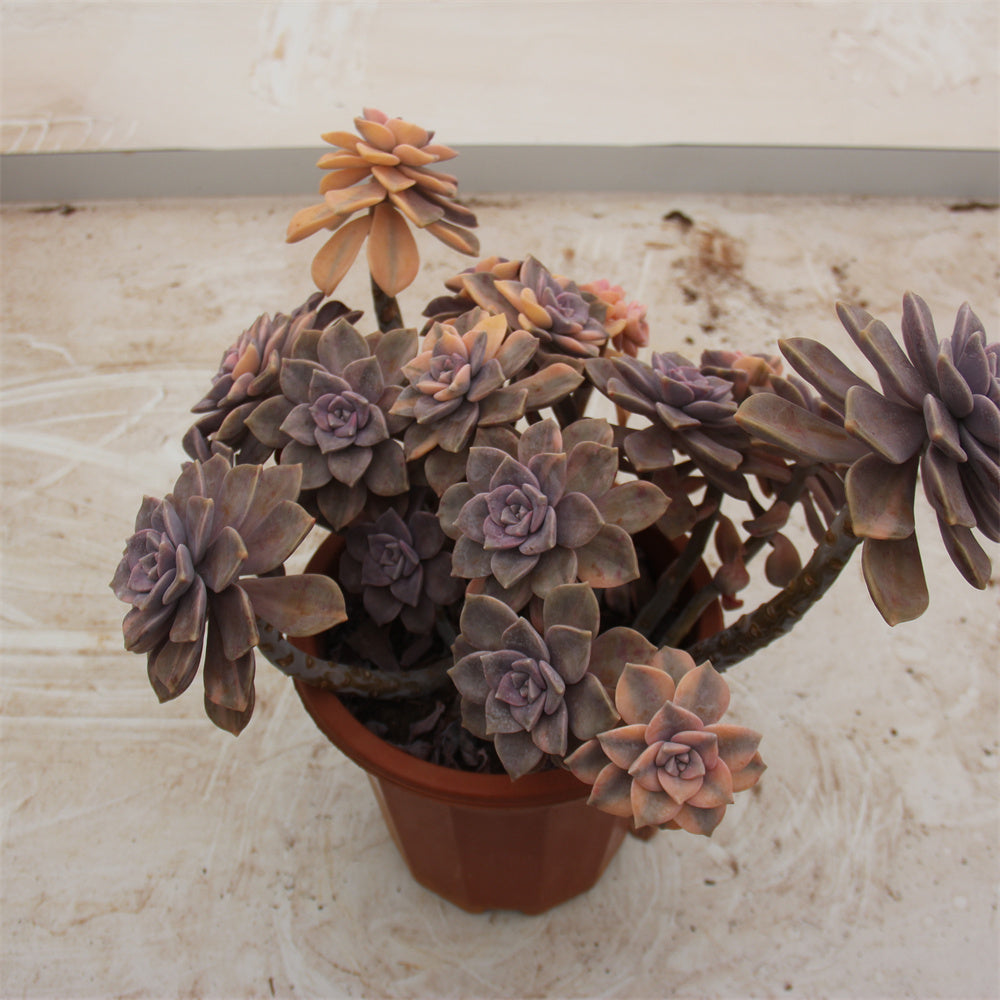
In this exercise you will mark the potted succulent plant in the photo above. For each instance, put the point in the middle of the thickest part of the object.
(511, 624)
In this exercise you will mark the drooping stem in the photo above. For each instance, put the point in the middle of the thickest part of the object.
(673, 580)
(346, 679)
(670, 633)
(779, 615)
(387, 312)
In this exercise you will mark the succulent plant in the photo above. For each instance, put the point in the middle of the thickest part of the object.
(625, 322)
(671, 763)
(937, 417)
(401, 568)
(248, 374)
(566, 321)
(470, 488)
(190, 570)
(333, 417)
(530, 693)
(746, 373)
(687, 409)
(550, 516)
(465, 378)
(385, 172)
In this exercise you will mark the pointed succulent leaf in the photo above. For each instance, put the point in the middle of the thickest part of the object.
(552, 383)
(587, 761)
(612, 649)
(572, 604)
(783, 563)
(484, 620)
(591, 710)
(517, 753)
(577, 520)
(641, 692)
(612, 792)
(737, 745)
(172, 667)
(569, 651)
(624, 744)
(608, 559)
(276, 537)
(704, 692)
(633, 505)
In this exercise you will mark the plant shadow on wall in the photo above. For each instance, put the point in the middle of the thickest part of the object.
(513, 590)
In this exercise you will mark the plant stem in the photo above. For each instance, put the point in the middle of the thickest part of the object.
(672, 581)
(779, 615)
(671, 634)
(345, 679)
(387, 311)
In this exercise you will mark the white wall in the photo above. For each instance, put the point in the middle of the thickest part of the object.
(229, 74)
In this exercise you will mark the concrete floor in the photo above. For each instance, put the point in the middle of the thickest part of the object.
(146, 854)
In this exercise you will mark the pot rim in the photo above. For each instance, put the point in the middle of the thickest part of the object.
(391, 764)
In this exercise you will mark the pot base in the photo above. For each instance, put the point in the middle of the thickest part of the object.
(528, 859)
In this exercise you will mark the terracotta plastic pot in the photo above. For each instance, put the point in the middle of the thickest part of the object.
(481, 841)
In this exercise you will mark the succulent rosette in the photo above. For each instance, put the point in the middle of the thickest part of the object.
(247, 375)
(530, 692)
(333, 419)
(746, 373)
(551, 515)
(936, 418)
(625, 322)
(687, 409)
(189, 573)
(401, 568)
(386, 172)
(672, 762)
(554, 309)
(464, 378)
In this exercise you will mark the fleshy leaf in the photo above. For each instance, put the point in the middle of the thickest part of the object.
(895, 578)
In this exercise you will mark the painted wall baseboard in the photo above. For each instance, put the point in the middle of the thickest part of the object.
(971, 174)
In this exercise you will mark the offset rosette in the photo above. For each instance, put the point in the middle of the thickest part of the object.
(624, 321)
(386, 172)
(247, 375)
(936, 418)
(552, 515)
(189, 570)
(687, 409)
(333, 419)
(554, 309)
(469, 375)
(530, 692)
(671, 762)
(401, 568)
